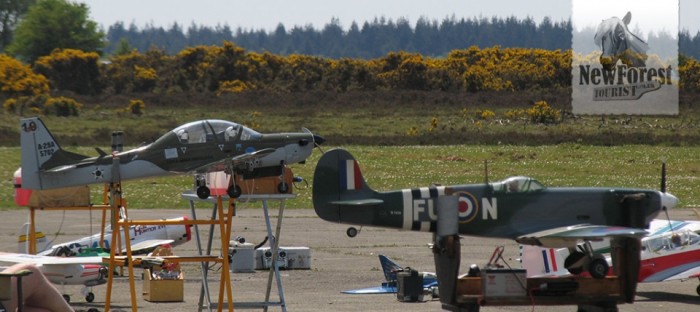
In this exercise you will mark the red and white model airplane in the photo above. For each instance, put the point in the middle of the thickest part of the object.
(144, 238)
(86, 271)
(671, 251)
(61, 268)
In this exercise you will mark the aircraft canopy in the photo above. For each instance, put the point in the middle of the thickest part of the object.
(518, 184)
(214, 130)
(670, 241)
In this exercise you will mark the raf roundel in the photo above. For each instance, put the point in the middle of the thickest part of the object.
(468, 207)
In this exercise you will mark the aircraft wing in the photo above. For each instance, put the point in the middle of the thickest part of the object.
(569, 236)
(386, 288)
(692, 272)
(47, 260)
(148, 244)
(237, 161)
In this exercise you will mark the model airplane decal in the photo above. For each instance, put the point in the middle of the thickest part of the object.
(144, 238)
(389, 286)
(518, 208)
(86, 271)
(194, 148)
(670, 252)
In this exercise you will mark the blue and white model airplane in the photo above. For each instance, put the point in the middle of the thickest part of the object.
(390, 286)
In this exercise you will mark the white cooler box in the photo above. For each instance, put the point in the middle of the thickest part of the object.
(243, 257)
(288, 258)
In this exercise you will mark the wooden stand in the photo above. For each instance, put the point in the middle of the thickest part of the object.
(224, 223)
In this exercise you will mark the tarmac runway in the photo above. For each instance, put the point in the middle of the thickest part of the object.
(337, 263)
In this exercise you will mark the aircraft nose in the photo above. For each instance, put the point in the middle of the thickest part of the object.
(668, 201)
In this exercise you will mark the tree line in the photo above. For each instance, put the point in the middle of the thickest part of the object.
(373, 39)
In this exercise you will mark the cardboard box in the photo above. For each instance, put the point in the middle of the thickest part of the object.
(267, 185)
(270, 183)
(504, 283)
(163, 290)
(78, 196)
(156, 289)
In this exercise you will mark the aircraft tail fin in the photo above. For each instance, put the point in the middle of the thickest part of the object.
(23, 241)
(543, 262)
(40, 151)
(389, 267)
(339, 185)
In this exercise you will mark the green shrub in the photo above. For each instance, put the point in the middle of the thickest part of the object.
(136, 107)
(62, 107)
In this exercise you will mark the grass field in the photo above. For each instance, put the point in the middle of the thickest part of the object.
(403, 139)
(391, 167)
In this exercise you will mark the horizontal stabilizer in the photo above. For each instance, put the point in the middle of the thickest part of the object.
(358, 202)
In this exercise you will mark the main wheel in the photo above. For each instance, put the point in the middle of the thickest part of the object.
(66, 298)
(571, 260)
(697, 290)
(283, 187)
(598, 268)
(203, 192)
(351, 232)
(90, 297)
(234, 191)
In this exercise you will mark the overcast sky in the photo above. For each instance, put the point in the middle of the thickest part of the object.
(267, 14)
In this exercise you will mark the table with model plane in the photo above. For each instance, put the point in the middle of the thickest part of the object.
(273, 242)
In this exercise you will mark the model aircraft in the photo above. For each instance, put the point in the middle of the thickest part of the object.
(390, 268)
(671, 251)
(518, 208)
(197, 147)
(144, 238)
(86, 271)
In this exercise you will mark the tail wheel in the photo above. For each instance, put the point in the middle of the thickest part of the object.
(234, 191)
(203, 192)
(571, 260)
(598, 268)
(90, 297)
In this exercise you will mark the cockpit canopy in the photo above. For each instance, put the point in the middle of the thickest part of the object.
(214, 130)
(670, 240)
(518, 184)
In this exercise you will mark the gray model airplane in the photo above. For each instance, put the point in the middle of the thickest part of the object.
(193, 148)
(518, 208)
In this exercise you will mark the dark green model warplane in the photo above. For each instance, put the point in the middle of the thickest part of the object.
(194, 148)
(518, 208)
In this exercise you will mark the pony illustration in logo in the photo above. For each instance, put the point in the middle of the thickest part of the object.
(618, 43)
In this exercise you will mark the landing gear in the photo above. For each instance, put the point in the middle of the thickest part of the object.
(233, 191)
(203, 192)
(200, 182)
(574, 262)
(577, 261)
(598, 268)
(352, 232)
(66, 298)
(283, 187)
(90, 297)
(697, 290)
